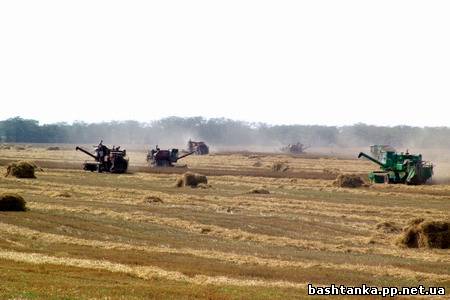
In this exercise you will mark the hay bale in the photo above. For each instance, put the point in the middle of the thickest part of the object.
(12, 202)
(191, 179)
(426, 234)
(260, 190)
(21, 169)
(410, 237)
(436, 234)
(53, 148)
(348, 181)
(280, 166)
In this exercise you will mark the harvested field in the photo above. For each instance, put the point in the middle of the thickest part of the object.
(255, 234)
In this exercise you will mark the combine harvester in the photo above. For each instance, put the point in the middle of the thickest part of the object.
(199, 148)
(164, 158)
(106, 160)
(297, 148)
(396, 167)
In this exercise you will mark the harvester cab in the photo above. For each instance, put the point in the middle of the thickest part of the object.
(106, 160)
(404, 168)
(164, 158)
(376, 151)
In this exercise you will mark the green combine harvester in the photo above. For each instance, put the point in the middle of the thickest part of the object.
(401, 168)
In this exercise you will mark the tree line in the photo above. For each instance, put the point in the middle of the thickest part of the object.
(220, 131)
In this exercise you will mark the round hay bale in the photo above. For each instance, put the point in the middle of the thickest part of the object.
(21, 169)
(191, 179)
(259, 191)
(12, 202)
(348, 181)
(426, 234)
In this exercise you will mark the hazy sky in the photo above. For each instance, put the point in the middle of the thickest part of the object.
(306, 62)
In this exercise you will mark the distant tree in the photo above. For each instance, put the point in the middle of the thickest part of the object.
(175, 131)
(20, 130)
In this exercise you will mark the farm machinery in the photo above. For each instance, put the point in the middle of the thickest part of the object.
(404, 168)
(164, 158)
(297, 148)
(106, 160)
(199, 148)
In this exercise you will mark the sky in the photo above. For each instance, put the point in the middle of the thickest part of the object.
(278, 62)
